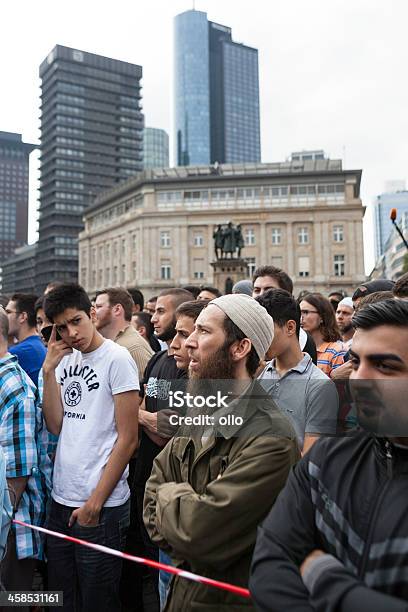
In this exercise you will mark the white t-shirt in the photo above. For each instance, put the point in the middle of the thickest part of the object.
(88, 383)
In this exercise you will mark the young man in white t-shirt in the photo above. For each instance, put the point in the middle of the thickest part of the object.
(91, 401)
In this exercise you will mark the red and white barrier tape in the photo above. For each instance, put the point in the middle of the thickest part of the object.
(225, 586)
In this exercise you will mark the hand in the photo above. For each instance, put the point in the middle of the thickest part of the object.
(342, 372)
(313, 555)
(87, 515)
(148, 420)
(56, 350)
(164, 427)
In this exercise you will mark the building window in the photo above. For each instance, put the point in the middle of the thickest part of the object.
(134, 269)
(276, 235)
(338, 233)
(123, 246)
(164, 239)
(303, 266)
(199, 274)
(198, 240)
(303, 235)
(115, 275)
(123, 273)
(134, 243)
(339, 265)
(251, 265)
(165, 271)
(249, 237)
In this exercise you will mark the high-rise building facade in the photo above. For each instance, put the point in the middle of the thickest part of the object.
(14, 172)
(383, 205)
(155, 148)
(216, 94)
(91, 139)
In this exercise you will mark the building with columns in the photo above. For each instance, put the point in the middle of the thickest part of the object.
(156, 229)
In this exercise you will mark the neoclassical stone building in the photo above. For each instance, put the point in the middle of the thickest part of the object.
(156, 229)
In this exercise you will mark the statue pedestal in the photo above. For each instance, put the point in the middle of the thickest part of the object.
(227, 272)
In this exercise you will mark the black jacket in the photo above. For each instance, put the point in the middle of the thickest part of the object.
(349, 497)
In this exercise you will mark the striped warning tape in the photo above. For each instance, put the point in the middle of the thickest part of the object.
(225, 586)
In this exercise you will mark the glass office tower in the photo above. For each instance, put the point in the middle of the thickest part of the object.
(216, 94)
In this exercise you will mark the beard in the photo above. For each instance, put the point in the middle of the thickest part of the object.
(103, 322)
(344, 329)
(168, 333)
(218, 366)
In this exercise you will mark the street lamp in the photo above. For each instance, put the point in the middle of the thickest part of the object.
(393, 217)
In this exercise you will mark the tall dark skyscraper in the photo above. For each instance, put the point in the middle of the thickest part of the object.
(14, 156)
(216, 94)
(91, 139)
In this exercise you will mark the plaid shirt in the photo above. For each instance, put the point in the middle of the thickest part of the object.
(330, 355)
(21, 436)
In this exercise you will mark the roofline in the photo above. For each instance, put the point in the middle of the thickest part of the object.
(141, 180)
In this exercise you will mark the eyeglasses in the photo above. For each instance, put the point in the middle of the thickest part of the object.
(304, 313)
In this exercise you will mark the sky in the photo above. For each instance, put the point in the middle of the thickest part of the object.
(333, 73)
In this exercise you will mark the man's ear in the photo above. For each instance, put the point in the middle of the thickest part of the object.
(240, 349)
(92, 314)
(291, 327)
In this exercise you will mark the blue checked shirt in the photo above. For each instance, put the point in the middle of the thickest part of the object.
(22, 438)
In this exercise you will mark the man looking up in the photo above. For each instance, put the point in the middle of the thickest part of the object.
(113, 307)
(303, 393)
(344, 314)
(30, 350)
(207, 493)
(90, 400)
(336, 539)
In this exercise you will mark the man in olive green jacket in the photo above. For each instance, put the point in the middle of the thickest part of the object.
(210, 487)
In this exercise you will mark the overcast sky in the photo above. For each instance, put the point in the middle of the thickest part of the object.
(333, 73)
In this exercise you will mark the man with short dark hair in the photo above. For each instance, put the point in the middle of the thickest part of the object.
(336, 539)
(299, 388)
(29, 350)
(142, 322)
(113, 307)
(270, 277)
(90, 400)
(210, 487)
(150, 305)
(138, 299)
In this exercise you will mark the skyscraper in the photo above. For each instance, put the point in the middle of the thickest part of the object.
(91, 139)
(382, 223)
(216, 94)
(155, 148)
(14, 157)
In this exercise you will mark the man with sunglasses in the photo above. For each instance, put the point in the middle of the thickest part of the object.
(29, 350)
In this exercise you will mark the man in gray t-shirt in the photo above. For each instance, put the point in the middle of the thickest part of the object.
(302, 391)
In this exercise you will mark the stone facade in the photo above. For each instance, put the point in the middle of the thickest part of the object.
(156, 230)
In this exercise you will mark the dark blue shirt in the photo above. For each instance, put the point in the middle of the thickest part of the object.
(30, 354)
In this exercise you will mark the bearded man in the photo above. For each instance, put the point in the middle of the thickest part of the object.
(199, 500)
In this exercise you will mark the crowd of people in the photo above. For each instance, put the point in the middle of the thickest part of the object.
(256, 438)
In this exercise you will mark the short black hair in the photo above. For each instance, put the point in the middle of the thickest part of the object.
(283, 279)
(145, 319)
(39, 304)
(25, 303)
(216, 292)
(192, 289)
(191, 309)
(388, 312)
(67, 295)
(281, 306)
(137, 297)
